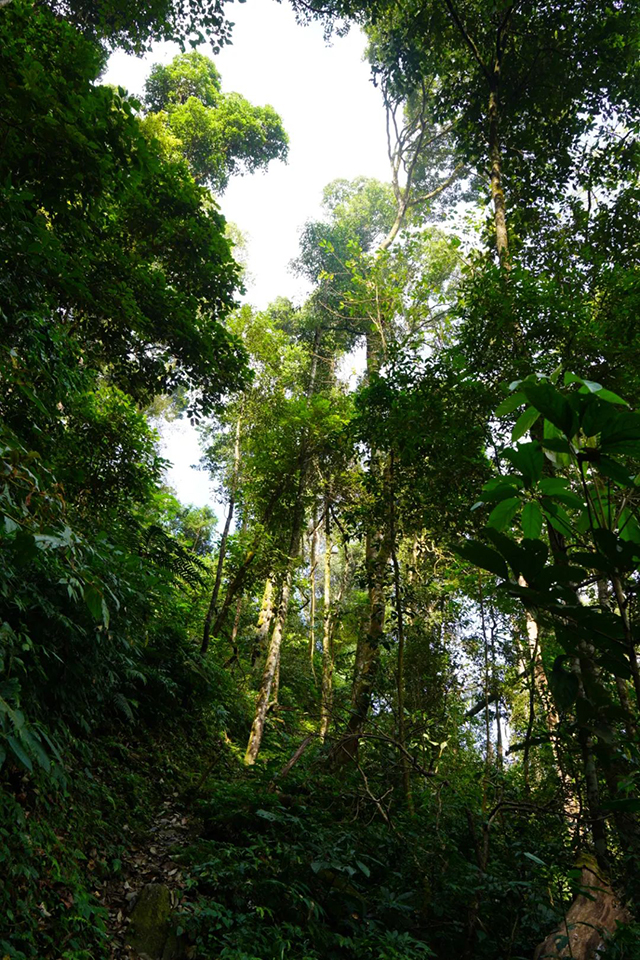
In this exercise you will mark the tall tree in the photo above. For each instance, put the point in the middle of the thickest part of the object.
(220, 134)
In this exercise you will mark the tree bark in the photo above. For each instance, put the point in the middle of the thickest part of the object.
(406, 770)
(378, 551)
(327, 641)
(583, 666)
(234, 658)
(313, 562)
(263, 625)
(377, 554)
(236, 585)
(206, 633)
(273, 654)
(270, 668)
(495, 160)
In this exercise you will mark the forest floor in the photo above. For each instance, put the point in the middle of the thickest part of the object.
(148, 860)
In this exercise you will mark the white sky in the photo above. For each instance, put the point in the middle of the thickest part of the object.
(330, 109)
(336, 125)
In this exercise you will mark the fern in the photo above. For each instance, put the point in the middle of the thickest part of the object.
(165, 551)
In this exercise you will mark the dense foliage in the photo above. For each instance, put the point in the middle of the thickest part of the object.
(393, 691)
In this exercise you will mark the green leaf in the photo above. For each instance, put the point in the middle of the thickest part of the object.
(93, 600)
(610, 397)
(564, 685)
(535, 859)
(364, 868)
(616, 471)
(621, 434)
(20, 754)
(561, 573)
(531, 521)
(497, 494)
(40, 754)
(502, 514)
(482, 556)
(596, 416)
(527, 558)
(556, 445)
(524, 422)
(557, 516)
(528, 459)
(509, 404)
(553, 406)
(591, 560)
(626, 805)
(551, 485)
(570, 500)
(590, 386)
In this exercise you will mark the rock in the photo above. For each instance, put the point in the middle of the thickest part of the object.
(150, 933)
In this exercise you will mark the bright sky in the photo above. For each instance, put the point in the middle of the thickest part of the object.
(335, 121)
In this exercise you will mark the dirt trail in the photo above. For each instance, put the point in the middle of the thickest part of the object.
(147, 861)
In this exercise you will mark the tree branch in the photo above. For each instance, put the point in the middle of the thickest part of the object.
(467, 39)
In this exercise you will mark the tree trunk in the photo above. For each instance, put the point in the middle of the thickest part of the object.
(263, 625)
(327, 644)
(270, 670)
(312, 584)
(275, 686)
(495, 160)
(592, 914)
(406, 770)
(234, 658)
(377, 553)
(273, 653)
(206, 633)
(368, 649)
(583, 666)
(236, 585)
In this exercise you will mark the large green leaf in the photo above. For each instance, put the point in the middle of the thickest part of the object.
(564, 685)
(526, 558)
(625, 805)
(20, 753)
(482, 556)
(596, 416)
(528, 459)
(593, 388)
(557, 516)
(531, 521)
(621, 434)
(614, 470)
(553, 406)
(509, 404)
(502, 514)
(524, 422)
(551, 485)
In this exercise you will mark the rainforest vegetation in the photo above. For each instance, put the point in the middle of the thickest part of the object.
(386, 705)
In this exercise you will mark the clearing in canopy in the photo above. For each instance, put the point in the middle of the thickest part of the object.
(379, 700)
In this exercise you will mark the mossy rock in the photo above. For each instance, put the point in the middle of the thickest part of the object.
(150, 933)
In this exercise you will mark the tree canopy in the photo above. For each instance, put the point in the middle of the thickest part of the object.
(381, 697)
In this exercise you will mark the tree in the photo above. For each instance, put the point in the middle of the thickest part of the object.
(95, 223)
(593, 441)
(519, 88)
(221, 135)
(118, 24)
